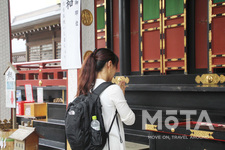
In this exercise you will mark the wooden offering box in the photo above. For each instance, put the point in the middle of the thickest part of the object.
(35, 109)
(20, 107)
(25, 138)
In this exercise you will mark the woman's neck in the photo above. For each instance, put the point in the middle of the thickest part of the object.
(102, 75)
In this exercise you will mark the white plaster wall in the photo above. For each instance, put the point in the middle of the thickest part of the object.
(72, 84)
(5, 113)
(88, 32)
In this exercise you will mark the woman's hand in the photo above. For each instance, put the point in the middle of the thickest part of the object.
(122, 86)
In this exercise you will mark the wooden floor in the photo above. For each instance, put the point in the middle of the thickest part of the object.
(135, 146)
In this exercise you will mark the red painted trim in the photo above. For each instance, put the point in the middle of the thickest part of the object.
(134, 27)
(46, 82)
(42, 70)
(116, 41)
(201, 52)
(38, 62)
(195, 122)
(57, 81)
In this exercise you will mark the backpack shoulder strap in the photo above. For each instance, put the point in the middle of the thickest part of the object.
(102, 87)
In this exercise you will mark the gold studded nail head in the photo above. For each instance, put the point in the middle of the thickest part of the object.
(172, 130)
(208, 79)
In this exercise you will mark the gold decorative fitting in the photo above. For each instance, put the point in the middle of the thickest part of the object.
(118, 79)
(87, 17)
(209, 85)
(40, 82)
(202, 134)
(151, 127)
(209, 79)
(39, 70)
(172, 130)
(87, 53)
(222, 78)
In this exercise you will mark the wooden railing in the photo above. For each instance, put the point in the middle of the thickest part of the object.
(41, 73)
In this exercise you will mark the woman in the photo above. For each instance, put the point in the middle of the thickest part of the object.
(100, 67)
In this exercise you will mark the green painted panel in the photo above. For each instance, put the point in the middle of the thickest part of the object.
(100, 18)
(174, 7)
(218, 1)
(150, 9)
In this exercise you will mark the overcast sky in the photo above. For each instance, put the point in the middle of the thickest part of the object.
(18, 7)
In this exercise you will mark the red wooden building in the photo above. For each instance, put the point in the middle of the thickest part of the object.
(173, 53)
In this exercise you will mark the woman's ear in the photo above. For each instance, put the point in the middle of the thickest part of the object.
(109, 64)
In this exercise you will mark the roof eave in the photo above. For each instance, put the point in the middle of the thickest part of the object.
(36, 23)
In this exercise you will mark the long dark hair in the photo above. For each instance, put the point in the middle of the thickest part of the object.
(93, 64)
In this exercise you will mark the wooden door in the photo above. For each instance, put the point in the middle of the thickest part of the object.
(163, 36)
(150, 33)
(216, 35)
(174, 35)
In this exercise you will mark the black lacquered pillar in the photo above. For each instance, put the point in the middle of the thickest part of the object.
(124, 36)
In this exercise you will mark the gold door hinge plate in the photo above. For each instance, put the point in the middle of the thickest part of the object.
(209, 79)
(202, 134)
(151, 127)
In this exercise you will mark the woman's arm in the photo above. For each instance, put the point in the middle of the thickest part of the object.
(126, 114)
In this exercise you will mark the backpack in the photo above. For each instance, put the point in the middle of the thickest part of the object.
(78, 119)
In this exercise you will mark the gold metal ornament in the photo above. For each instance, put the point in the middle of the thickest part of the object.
(208, 79)
(40, 82)
(172, 130)
(118, 79)
(151, 127)
(198, 79)
(222, 78)
(87, 53)
(87, 17)
(202, 134)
